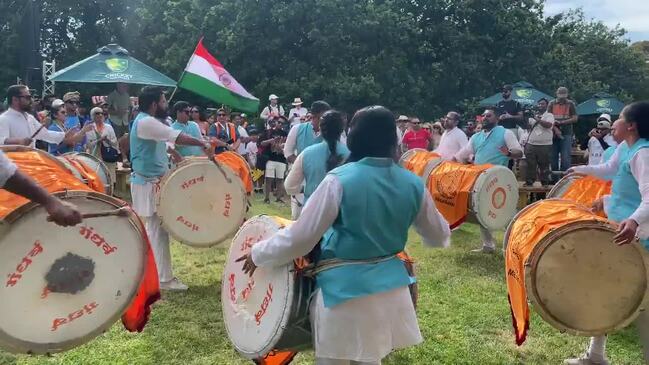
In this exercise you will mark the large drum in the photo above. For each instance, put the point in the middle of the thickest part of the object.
(579, 188)
(91, 169)
(562, 256)
(269, 311)
(64, 286)
(201, 202)
(419, 161)
(485, 194)
(239, 166)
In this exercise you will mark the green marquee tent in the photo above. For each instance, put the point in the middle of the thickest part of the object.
(601, 103)
(524, 92)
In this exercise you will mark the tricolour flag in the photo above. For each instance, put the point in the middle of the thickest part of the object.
(205, 76)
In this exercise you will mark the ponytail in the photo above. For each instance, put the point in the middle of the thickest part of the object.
(331, 127)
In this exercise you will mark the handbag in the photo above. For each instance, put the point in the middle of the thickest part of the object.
(108, 153)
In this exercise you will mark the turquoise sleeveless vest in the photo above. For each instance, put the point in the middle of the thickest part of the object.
(306, 137)
(625, 192)
(148, 158)
(370, 224)
(608, 153)
(487, 147)
(314, 164)
(191, 129)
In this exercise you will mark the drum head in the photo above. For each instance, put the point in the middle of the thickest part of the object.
(560, 188)
(97, 166)
(64, 286)
(201, 204)
(256, 310)
(494, 197)
(582, 283)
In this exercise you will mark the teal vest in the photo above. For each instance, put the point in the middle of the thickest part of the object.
(148, 158)
(608, 153)
(314, 164)
(191, 129)
(369, 225)
(487, 147)
(625, 192)
(606, 156)
(306, 137)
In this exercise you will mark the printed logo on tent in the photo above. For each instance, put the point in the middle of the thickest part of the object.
(603, 103)
(524, 93)
(117, 64)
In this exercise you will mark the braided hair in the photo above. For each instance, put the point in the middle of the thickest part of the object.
(331, 127)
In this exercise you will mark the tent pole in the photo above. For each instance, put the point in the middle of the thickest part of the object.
(172, 94)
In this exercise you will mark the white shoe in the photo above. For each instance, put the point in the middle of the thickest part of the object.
(485, 249)
(585, 360)
(173, 284)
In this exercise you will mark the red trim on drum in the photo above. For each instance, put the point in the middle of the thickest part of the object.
(458, 223)
(519, 339)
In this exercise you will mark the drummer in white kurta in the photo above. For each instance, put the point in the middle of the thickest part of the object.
(149, 161)
(361, 311)
(453, 139)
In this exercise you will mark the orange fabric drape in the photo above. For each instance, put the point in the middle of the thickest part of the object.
(240, 167)
(527, 230)
(587, 189)
(89, 174)
(450, 184)
(276, 358)
(417, 162)
(47, 172)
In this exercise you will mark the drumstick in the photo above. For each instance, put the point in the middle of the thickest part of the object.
(38, 130)
(222, 171)
(120, 212)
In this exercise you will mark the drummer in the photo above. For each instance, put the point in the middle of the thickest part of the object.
(627, 205)
(14, 181)
(492, 145)
(182, 110)
(360, 312)
(453, 139)
(315, 161)
(149, 162)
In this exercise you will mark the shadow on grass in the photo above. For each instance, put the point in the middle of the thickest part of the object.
(490, 265)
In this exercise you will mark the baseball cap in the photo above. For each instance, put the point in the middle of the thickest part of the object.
(606, 117)
(57, 103)
(272, 96)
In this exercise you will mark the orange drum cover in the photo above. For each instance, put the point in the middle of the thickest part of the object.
(562, 257)
(416, 159)
(239, 165)
(582, 189)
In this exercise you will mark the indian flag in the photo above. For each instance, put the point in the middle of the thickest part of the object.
(205, 76)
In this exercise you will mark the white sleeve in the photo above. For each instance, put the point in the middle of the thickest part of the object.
(295, 177)
(243, 133)
(112, 137)
(466, 151)
(431, 225)
(511, 141)
(461, 139)
(640, 169)
(152, 129)
(7, 169)
(318, 214)
(602, 170)
(4, 130)
(264, 113)
(281, 111)
(291, 141)
(45, 134)
(548, 117)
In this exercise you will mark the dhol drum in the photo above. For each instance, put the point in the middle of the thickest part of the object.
(64, 286)
(486, 194)
(419, 161)
(201, 202)
(562, 256)
(269, 311)
(239, 166)
(90, 168)
(579, 188)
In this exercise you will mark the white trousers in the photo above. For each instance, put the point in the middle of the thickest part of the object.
(487, 238)
(159, 239)
(597, 348)
(323, 361)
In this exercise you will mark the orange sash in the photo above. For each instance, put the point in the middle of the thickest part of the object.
(237, 164)
(417, 162)
(528, 228)
(450, 184)
(587, 189)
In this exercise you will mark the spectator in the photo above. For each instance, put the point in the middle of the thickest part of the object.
(273, 145)
(104, 109)
(101, 141)
(538, 146)
(224, 131)
(436, 134)
(198, 116)
(402, 126)
(297, 113)
(59, 123)
(599, 140)
(416, 137)
(273, 110)
(182, 110)
(118, 108)
(565, 115)
(243, 134)
(252, 152)
(453, 139)
(510, 111)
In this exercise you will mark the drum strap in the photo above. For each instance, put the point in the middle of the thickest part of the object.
(312, 270)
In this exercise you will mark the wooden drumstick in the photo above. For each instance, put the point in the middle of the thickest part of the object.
(38, 130)
(120, 212)
(222, 171)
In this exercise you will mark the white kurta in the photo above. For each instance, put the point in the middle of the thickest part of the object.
(452, 142)
(361, 329)
(15, 124)
(7, 169)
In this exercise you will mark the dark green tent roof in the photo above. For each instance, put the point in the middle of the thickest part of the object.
(601, 103)
(524, 92)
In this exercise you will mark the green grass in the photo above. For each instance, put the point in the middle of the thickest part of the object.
(463, 314)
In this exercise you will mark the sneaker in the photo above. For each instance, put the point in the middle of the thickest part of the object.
(584, 360)
(174, 285)
(484, 249)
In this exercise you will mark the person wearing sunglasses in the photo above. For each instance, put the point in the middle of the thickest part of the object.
(492, 145)
(182, 110)
(600, 139)
(224, 131)
(416, 137)
(75, 136)
(453, 138)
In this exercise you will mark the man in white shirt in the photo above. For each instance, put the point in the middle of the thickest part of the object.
(402, 127)
(243, 134)
(298, 113)
(272, 111)
(538, 148)
(600, 139)
(453, 139)
(149, 161)
(19, 127)
(14, 181)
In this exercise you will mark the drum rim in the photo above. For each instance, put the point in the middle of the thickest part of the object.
(287, 299)
(11, 344)
(564, 183)
(431, 166)
(102, 165)
(530, 276)
(409, 154)
(19, 148)
(477, 184)
(188, 162)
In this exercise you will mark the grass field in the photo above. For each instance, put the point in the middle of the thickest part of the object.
(463, 314)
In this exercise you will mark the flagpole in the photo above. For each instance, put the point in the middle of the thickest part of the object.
(185, 69)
